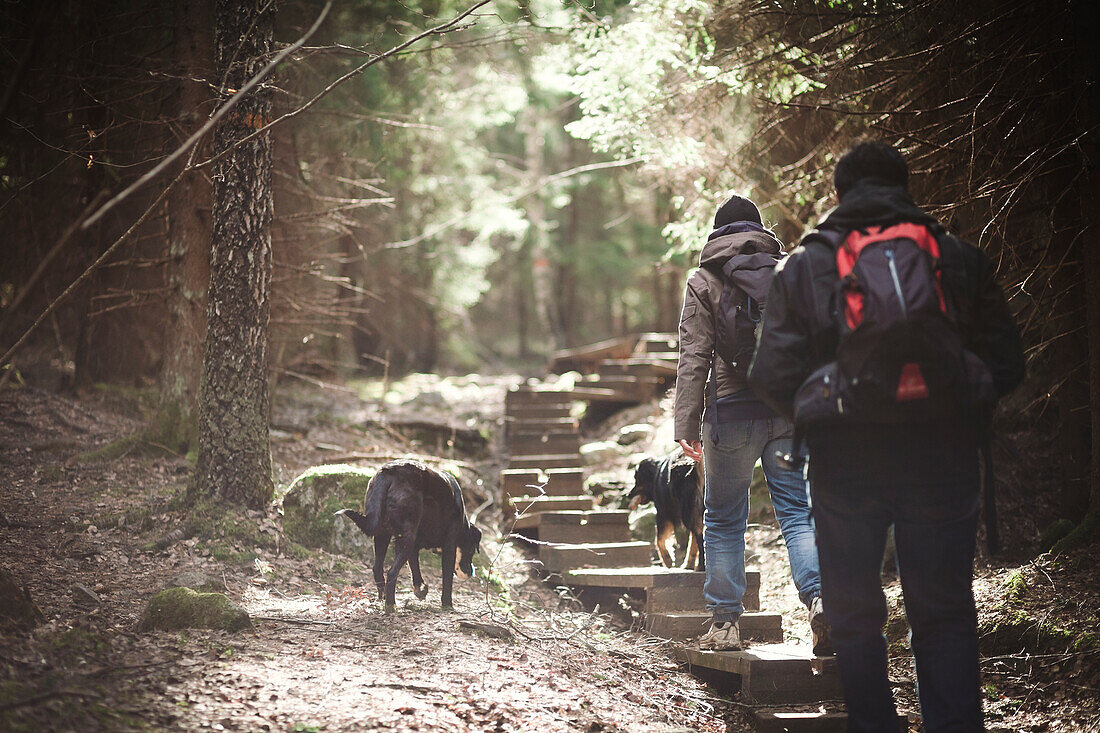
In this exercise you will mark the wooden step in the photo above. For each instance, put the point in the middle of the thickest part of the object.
(536, 397)
(516, 414)
(564, 460)
(580, 526)
(527, 482)
(636, 367)
(585, 358)
(522, 505)
(649, 343)
(534, 423)
(541, 443)
(560, 557)
(666, 589)
(769, 673)
(566, 480)
(801, 721)
(754, 625)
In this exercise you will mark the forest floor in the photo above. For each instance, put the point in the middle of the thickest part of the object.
(92, 538)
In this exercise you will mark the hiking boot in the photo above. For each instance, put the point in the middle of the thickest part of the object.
(723, 636)
(819, 629)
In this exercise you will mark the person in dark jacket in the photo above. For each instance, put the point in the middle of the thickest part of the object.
(920, 477)
(736, 430)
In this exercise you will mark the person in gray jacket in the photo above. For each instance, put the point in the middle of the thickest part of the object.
(736, 429)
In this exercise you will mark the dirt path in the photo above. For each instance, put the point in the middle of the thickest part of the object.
(515, 655)
(322, 655)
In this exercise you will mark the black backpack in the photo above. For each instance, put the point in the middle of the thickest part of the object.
(745, 278)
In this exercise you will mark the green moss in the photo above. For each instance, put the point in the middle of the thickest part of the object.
(313, 499)
(1016, 631)
(183, 608)
(112, 451)
(1055, 533)
(1015, 586)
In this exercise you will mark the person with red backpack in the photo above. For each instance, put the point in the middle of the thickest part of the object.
(723, 303)
(889, 341)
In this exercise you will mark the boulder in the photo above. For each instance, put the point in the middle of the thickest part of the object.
(600, 453)
(314, 498)
(183, 608)
(631, 434)
(16, 607)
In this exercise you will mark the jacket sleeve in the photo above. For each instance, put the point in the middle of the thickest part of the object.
(782, 359)
(993, 335)
(696, 334)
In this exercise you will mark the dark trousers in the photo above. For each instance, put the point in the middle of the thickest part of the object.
(934, 530)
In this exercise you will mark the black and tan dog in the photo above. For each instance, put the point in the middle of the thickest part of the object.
(675, 486)
(422, 509)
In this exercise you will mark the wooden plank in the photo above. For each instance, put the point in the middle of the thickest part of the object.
(642, 577)
(637, 367)
(515, 481)
(539, 423)
(543, 443)
(558, 557)
(519, 414)
(772, 673)
(534, 504)
(649, 343)
(581, 526)
(585, 358)
(754, 625)
(663, 599)
(535, 397)
(566, 460)
(566, 480)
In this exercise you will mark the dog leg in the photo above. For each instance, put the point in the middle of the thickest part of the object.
(420, 588)
(381, 546)
(448, 558)
(666, 538)
(692, 553)
(701, 560)
(403, 549)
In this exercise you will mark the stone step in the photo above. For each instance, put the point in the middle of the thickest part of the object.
(666, 589)
(779, 674)
(581, 526)
(754, 625)
(801, 721)
(557, 558)
(563, 460)
(541, 443)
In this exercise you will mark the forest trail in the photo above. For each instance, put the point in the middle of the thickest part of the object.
(515, 655)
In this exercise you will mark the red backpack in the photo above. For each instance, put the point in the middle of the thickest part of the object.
(899, 356)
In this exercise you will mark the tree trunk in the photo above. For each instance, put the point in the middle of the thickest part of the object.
(188, 270)
(234, 463)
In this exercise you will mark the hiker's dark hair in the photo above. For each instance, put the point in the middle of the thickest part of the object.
(870, 159)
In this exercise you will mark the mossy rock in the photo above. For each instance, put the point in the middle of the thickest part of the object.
(183, 608)
(314, 498)
(17, 609)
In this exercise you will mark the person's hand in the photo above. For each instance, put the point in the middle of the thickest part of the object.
(693, 450)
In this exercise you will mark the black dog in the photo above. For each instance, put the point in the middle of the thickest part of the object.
(675, 486)
(422, 508)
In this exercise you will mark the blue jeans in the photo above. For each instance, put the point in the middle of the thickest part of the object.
(727, 467)
(934, 531)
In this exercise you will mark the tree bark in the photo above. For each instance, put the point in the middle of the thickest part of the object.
(234, 463)
(188, 269)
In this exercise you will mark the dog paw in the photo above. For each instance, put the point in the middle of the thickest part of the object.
(391, 608)
(421, 591)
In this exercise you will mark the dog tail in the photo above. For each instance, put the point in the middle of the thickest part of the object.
(375, 503)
